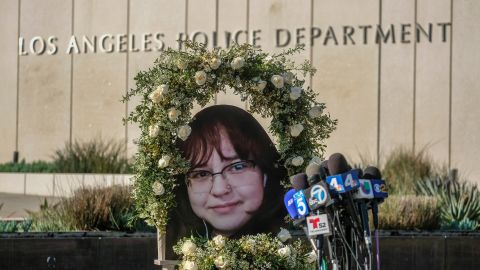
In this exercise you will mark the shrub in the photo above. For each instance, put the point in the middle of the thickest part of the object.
(51, 218)
(403, 168)
(91, 208)
(459, 202)
(409, 212)
(34, 167)
(95, 156)
(107, 208)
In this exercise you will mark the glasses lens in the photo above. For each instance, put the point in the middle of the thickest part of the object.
(201, 181)
(239, 167)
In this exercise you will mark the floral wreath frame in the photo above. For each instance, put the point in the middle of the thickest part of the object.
(169, 89)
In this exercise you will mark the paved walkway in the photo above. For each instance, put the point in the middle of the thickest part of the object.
(14, 205)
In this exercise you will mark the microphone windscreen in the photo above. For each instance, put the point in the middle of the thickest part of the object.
(372, 172)
(324, 165)
(312, 169)
(299, 181)
(337, 164)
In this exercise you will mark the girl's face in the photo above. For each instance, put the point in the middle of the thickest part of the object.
(226, 200)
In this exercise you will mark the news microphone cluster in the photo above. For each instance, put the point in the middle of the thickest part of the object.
(331, 198)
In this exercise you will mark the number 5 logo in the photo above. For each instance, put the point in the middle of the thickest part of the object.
(300, 203)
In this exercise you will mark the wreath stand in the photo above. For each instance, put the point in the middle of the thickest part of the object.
(160, 261)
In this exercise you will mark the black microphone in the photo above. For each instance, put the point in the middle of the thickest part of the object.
(337, 165)
(372, 172)
(299, 181)
(315, 173)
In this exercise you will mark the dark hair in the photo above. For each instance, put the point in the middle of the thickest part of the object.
(250, 141)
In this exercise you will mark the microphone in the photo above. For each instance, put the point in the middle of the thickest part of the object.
(342, 178)
(378, 189)
(372, 172)
(290, 204)
(315, 173)
(317, 195)
(299, 181)
(379, 194)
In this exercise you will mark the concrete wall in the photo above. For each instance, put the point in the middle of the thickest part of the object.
(385, 94)
(57, 185)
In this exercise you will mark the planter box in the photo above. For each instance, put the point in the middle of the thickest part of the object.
(105, 251)
(56, 185)
(117, 251)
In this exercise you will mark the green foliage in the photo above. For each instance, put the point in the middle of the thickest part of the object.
(459, 202)
(409, 212)
(95, 208)
(24, 167)
(8, 226)
(403, 168)
(11, 226)
(95, 156)
(51, 218)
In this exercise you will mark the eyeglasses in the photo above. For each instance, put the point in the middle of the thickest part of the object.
(202, 180)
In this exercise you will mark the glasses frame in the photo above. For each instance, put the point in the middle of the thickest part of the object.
(187, 180)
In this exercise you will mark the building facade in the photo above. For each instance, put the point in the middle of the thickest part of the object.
(394, 73)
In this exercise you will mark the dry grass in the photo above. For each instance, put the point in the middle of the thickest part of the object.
(90, 208)
(409, 212)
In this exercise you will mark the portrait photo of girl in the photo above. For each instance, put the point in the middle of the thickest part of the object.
(233, 185)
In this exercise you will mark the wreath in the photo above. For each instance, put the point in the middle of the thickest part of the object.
(270, 83)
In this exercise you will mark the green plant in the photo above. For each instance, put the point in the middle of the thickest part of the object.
(95, 156)
(101, 208)
(51, 218)
(403, 168)
(34, 167)
(408, 212)
(90, 208)
(459, 202)
(8, 226)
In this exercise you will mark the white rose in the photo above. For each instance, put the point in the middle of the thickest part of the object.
(215, 62)
(200, 77)
(220, 262)
(311, 257)
(284, 252)
(277, 81)
(288, 77)
(297, 161)
(315, 112)
(164, 161)
(173, 114)
(188, 248)
(219, 241)
(181, 64)
(184, 132)
(153, 130)
(237, 63)
(158, 188)
(296, 129)
(260, 85)
(284, 235)
(157, 95)
(189, 265)
(295, 92)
